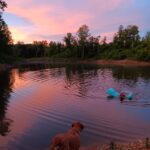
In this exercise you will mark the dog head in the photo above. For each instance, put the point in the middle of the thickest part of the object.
(78, 125)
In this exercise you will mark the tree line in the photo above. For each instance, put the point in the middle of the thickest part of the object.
(126, 44)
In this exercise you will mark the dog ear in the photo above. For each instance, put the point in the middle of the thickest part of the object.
(82, 126)
(79, 124)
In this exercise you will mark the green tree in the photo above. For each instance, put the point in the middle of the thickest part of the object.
(147, 36)
(69, 40)
(118, 38)
(83, 36)
(127, 38)
(93, 46)
(5, 35)
(104, 40)
(132, 36)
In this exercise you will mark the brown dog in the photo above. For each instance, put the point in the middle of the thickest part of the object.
(69, 140)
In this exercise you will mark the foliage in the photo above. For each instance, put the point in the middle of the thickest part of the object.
(126, 44)
(3, 5)
(127, 38)
(5, 35)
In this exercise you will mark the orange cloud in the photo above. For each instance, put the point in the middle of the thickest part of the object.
(19, 35)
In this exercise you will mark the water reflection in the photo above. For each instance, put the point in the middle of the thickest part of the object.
(77, 76)
(50, 97)
(131, 73)
(6, 82)
(81, 78)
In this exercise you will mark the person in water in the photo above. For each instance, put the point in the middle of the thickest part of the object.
(122, 96)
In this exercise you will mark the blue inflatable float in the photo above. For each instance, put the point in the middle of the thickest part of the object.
(112, 92)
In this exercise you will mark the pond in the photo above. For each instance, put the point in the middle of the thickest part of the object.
(39, 101)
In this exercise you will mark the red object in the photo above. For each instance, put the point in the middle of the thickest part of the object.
(122, 96)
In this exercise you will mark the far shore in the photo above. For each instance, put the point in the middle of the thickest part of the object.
(88, 61)
(128, 63)
(123, 62)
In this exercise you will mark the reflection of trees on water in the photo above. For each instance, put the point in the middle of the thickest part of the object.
(80, 76)
(77, 75)
(132, 74)
(129, 73)
(6, 82)
(41, 71)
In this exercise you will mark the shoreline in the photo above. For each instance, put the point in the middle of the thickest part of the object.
(104, 62)
(125, 62)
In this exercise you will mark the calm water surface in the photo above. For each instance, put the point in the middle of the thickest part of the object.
(37, 102)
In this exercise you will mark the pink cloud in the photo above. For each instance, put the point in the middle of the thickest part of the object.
(54, 19)
(45, 21)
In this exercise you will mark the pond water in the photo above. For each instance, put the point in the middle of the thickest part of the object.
(39, 101)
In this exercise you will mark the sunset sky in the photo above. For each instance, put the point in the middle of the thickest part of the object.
(30, 20)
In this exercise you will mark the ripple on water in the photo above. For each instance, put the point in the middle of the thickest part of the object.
(49, 100)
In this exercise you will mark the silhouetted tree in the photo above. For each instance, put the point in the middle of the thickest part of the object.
(5, 35)
(93, 46)
(126, 38)
(147, 36)
(132, 33)
(104, 40)
(69, 40)
(83, 35)
(40, 48)
(3, 5)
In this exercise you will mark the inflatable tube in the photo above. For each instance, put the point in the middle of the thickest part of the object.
(129, 96)
(112, 92)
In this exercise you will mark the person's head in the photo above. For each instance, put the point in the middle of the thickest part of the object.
(122, 96)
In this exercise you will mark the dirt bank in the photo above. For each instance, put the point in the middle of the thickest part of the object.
(123, 62)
